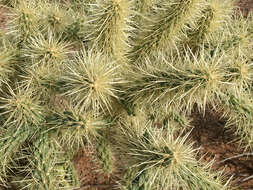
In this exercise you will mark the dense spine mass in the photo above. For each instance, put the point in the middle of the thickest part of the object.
(123, 77)
(163, 26)
(92, 80)
(191, 81)
(20, 108)
(168, 162)
(48, 169)
(10, 143)
(110, 26)
(214, 16)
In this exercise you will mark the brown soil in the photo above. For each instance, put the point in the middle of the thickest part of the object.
(90, 173)
(3, 17)
(245, 6)
(215, 142)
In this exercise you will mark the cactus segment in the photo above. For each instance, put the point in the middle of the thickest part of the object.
(48, 168)
(239, 113)
(184, 82)
(164, 26)
(110, 26)
(10, 143)
(169, 161)
(21, 108)
(91, 81)
(75, 128)
(104, 155)
(25, 22)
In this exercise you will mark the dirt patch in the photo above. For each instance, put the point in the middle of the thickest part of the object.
(245, 6)
(3, 16)
(90, 173)
(215, 142)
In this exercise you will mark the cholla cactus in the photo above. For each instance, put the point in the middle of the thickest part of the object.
(76, 30)
(91, 80)
(77, 128)
(54, 16)
(25, 22)
(10, 143)
(189, 81)
(109, 25)
(165, 161)
(164, 25)
(20, 108)
(47, 169)
(11, 3)
(239, 112)
(240, 73)
(134, 183)
(42, 79)
(49, 48)
(7, 60)
(128, 74)
(215, 16)
(144, 6)
(236, 37)
(104, 155)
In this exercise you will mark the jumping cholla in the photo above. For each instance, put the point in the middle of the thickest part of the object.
(130, 73)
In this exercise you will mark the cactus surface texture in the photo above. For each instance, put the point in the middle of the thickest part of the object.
(124, 78)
